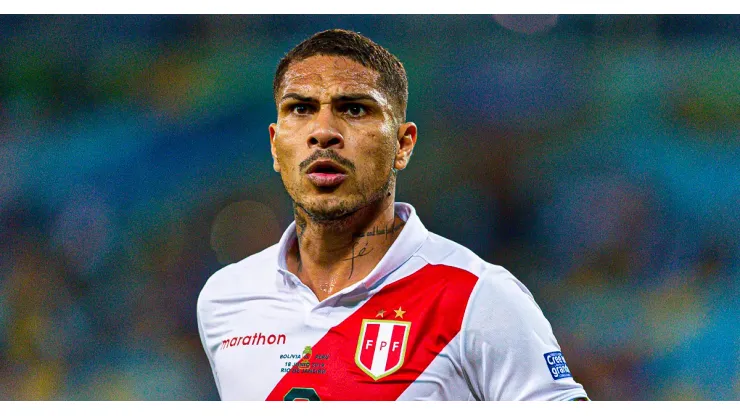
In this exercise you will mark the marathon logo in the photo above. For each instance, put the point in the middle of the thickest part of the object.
(557, 365)
(257, 339)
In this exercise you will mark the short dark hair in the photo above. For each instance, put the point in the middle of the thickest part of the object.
(339, 42)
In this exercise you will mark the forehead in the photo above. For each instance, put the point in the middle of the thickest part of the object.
(329, 74)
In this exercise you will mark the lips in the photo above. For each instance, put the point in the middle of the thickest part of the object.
(325, 173)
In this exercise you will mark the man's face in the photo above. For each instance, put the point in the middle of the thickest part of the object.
(336, 140)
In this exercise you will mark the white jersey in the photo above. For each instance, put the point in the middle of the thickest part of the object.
(432, 321)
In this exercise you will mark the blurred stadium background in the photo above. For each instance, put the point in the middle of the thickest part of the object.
(595, 157)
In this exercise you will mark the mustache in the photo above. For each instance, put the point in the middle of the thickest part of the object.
(327, 154)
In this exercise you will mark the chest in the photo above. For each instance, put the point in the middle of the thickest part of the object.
(387, 347)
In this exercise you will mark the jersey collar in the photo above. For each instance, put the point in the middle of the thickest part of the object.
(410, 239)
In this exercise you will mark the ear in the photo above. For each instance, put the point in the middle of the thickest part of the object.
(273, 134)
(406, 143)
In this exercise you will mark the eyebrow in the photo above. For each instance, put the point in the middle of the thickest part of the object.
(346, 97)
(356, 97)
(298, 97)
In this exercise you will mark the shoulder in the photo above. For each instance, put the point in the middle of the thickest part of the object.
(490, 279)
(251, 274)
(504, 338)
(495, 291)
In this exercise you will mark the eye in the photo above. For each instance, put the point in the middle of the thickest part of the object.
(355, 110)
(299, 109)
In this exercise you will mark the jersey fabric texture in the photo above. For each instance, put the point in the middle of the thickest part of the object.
(432, 321)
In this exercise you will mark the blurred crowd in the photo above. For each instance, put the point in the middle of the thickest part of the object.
(595, 157)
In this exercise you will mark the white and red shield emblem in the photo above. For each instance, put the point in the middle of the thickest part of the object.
(381, 347)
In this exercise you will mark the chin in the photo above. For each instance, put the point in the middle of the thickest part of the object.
(335, 207)
(331, 209)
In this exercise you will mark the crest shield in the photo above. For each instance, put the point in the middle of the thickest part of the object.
(381, 347)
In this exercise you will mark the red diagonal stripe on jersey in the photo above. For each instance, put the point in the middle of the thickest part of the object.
(434, 298)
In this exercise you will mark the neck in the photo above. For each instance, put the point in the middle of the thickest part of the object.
(330, 256)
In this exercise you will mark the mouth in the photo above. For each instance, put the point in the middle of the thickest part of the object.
(323, 173)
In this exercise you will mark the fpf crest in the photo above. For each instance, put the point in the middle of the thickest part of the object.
(381, 346)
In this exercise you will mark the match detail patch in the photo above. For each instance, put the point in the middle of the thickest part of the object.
(557, 365)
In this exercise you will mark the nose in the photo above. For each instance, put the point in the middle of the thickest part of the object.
(325, 133)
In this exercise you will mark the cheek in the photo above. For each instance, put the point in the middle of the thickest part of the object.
(286, 156)
(378, 158)
(388, 130)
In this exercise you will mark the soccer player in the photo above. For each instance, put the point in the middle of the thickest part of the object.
(358, 301)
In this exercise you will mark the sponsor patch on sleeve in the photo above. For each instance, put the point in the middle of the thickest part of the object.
(557, 365)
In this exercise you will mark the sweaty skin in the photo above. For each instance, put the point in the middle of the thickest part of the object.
(330, 108)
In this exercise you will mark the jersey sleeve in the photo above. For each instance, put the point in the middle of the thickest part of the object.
(509, 351)
(202, 316)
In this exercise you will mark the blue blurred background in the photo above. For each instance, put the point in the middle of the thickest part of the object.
(595, 157)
